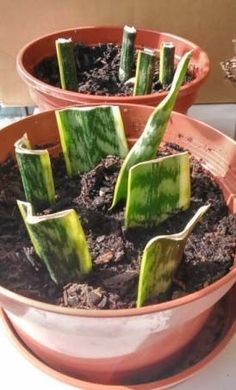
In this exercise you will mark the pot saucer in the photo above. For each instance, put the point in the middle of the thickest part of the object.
(219, 330)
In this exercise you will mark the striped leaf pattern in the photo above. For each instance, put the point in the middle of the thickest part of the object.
(146, 146)
(167, 63)
(144, 72)
(60, 242)
(66, 64)
(160, 261)
(157, 189)
(36, 174)
(89, 134)
(127, 53)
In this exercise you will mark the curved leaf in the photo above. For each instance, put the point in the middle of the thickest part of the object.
(146, 146)
(161, 258)
(59, 241)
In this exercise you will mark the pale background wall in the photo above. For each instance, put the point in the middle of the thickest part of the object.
(209, 23)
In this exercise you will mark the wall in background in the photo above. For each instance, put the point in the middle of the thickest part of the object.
(209, 23)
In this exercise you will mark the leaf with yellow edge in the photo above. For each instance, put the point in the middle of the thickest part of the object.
(157, 189)
(59, 241)
(89, 134)
(146, 146)
(36, 174)
(160, 261)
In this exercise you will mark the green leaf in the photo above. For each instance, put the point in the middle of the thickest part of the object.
(167, 63)
(146, 146)
(36, 174)
(88, 134)
(161, 258)
(59, 241)
(157, 189)
(127, 53)
(144, 72)
(66, 63)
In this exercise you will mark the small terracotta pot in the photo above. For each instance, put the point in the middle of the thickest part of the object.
(47, 97)
(112, 346)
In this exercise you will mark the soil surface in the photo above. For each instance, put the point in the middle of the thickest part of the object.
(116, 253)
(97, 71)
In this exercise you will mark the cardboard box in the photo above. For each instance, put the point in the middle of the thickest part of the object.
(208, 23)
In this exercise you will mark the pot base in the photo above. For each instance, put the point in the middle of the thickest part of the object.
(220, 328)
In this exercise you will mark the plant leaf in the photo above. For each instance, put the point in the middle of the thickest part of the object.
(167, 63)
(146, 146)
(89, 134)
(67, 64)
(144, 72)
(161, 258)
(127, 53)
(59, 241)
(36, 174)
(157, 189)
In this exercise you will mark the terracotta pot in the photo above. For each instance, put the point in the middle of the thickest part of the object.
(149, 383)
(46, 96)
(112, 346)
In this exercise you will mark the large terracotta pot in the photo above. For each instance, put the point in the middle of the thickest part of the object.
(46, 96)
(113, 346)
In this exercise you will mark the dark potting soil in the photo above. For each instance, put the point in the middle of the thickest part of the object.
(116, 253)
(97, 71)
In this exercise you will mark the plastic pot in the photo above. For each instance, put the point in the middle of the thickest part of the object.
(46, 96)
(113, 346)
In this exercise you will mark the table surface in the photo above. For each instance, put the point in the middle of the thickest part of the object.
(16, 371)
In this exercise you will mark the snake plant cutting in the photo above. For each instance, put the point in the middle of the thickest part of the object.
(66, 64)
(167, 63)
(147, 145)
(36, 173)
(89, 134)
(142, 58)
(127, 53)
(59, 241)
(161, 258)
(144, 72)
(153, 181)
(153, 188)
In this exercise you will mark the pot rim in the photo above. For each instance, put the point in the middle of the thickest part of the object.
(73, 96)
(169, 305)
(93, 313)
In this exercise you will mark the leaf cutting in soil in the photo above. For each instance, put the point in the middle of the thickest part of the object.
(98, 69)
(160, 261)
(59, 241)
(157, 189)
(66, 63)
(167, 63)
(36, 174)
(116, 252)
(88, 134)
(127, 53)
(146, 146)
(144, 72)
